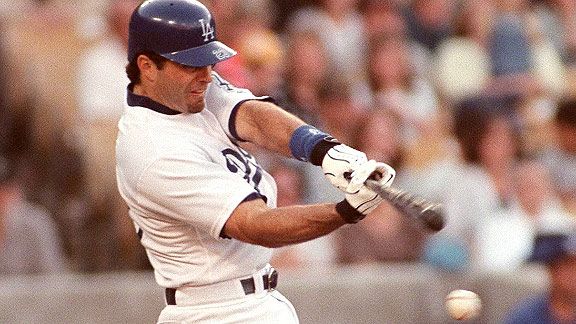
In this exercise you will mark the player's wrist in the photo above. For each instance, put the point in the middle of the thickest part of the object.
(311, 144)
(321, 148)
(350, 214)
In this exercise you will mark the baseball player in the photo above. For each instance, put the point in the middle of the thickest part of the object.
(202, 206)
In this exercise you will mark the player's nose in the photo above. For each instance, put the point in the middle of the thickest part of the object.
(205, 74)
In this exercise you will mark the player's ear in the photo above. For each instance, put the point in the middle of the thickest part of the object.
(148, 69)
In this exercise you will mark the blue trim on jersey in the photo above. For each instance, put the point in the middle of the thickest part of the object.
(141, 101)
(254, 196)
(250, 197)
(232, 120)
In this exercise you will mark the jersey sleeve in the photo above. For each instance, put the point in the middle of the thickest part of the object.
(223, 100)
(198, 192)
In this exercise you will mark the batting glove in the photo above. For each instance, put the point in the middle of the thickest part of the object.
(360, 200)
(339, 161)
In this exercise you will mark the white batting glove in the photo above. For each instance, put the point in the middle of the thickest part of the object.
(361, 197)
(339, 161)
(378, 171)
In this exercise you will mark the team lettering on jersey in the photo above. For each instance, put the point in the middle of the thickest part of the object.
(242, 162)
(223, 84)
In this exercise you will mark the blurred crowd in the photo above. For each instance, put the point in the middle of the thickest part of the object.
(473, 102)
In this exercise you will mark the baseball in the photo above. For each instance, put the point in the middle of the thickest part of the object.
(463, 304)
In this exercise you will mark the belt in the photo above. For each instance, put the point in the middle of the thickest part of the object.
(269, 281)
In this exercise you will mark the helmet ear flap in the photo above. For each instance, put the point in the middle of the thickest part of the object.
(182, 31)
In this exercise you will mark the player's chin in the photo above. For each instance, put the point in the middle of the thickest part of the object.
(196, 106)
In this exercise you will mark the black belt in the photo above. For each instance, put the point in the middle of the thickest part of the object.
(270, 281)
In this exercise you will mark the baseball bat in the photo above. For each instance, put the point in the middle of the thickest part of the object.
(417, 208)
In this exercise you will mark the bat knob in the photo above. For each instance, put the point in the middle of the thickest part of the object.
(433, 218)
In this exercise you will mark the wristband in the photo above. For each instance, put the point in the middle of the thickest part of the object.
(310, 144)
(349, 213)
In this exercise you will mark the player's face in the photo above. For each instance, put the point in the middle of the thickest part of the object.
(183, 88)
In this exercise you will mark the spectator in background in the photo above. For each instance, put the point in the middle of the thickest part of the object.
(462, 62)
(523, 61)
(29, 242)
(536, 209)
(101, 70)
(560, 157)
(102, 65)
(536, 196)
(108, 229)
(396, 86)
(510, 40)
(225, 12)
(264, 56)
(380, 137)
(339, 25)
(483, 184)
(384, 18)
(430, 21)
(490, 147)
(290, 186)
(336, 101)
(498, 50)
(307, 68)
(261, 49)
(557, 252)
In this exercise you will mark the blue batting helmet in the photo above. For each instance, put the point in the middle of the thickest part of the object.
(182, 31)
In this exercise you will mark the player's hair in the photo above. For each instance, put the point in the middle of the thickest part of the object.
(133, 71)
(471, 124)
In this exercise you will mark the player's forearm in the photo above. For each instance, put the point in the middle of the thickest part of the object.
(266, 125)
(286, 225)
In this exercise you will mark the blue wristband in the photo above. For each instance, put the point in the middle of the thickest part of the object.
(303, 141)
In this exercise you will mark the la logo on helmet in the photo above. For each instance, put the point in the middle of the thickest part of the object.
(207, 30)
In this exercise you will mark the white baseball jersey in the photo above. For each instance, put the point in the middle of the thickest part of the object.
(182, 176)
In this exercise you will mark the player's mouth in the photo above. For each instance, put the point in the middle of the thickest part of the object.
(198, 92)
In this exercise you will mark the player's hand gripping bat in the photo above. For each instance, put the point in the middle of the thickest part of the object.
(426, 213)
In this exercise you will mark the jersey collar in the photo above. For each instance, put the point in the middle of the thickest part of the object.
(135, 100)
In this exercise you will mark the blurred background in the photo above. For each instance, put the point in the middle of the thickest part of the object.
(472, 101)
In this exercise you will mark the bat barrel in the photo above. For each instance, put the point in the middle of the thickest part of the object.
(433, 217)
(429, 214)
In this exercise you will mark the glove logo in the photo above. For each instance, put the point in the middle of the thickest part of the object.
(207, 30)
(314, 131)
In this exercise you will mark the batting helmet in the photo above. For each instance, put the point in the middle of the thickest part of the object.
(182, 31)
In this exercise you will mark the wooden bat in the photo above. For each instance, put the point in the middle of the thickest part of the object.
(419, 209)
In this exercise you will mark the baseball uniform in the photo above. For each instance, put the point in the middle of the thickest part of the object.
(182, 175)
